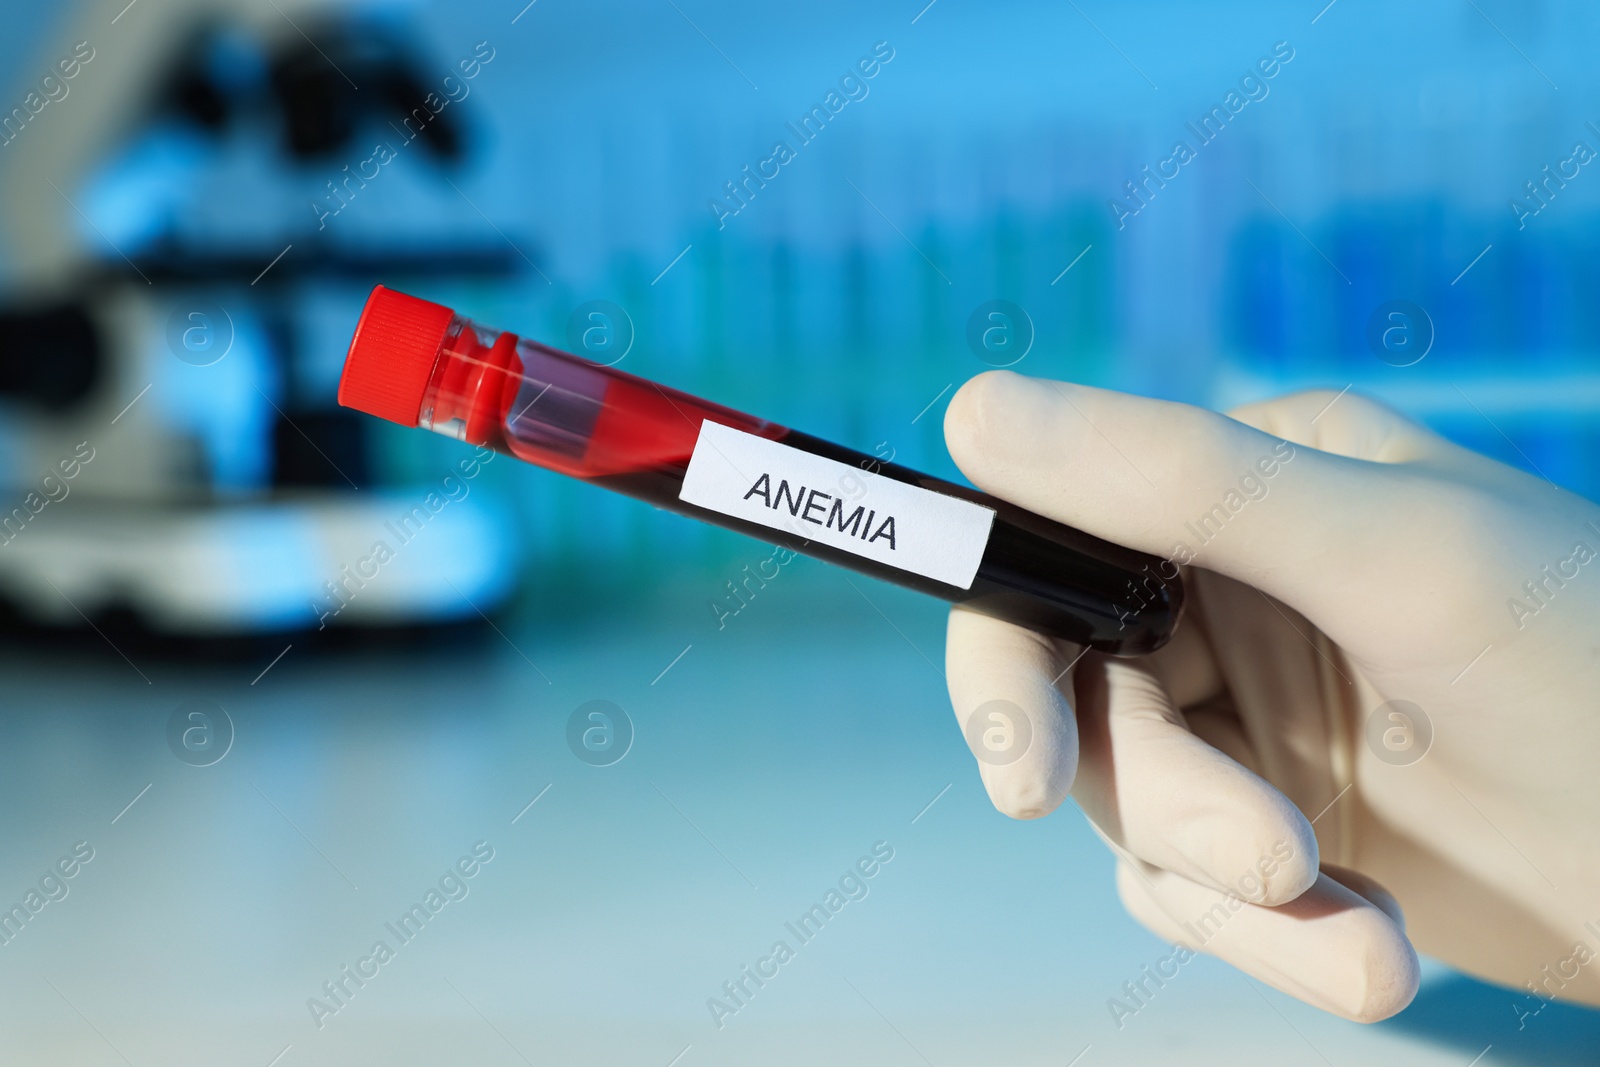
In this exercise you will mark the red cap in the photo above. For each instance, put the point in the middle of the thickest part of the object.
(392, 354)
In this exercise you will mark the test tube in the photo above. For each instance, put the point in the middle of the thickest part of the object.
(418, 363)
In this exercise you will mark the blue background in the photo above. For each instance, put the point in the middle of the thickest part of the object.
(778, 748)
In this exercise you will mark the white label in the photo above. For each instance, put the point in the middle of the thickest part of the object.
(822, 500)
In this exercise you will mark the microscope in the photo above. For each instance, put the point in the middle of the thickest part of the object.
(191, 214)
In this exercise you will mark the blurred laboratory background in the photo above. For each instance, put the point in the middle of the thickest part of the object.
(271, 760)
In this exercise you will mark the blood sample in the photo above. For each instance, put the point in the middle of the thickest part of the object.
(420, 364)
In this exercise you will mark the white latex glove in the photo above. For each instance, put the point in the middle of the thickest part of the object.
(1378, 562)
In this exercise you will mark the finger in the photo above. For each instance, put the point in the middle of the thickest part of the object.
(1359, 427)
(1186, 665)
(1375, 894)
(1217, 724)
(1017, 722)
(1329, 947)
(1282, 681)
(1172, 800)
(1345, 424)
(1186, 484)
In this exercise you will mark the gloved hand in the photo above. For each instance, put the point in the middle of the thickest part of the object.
(1256, 811)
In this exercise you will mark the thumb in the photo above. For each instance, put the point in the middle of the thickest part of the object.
(1190, 485)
